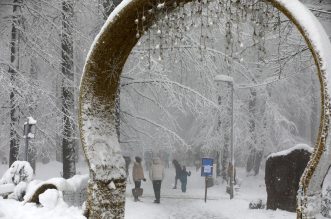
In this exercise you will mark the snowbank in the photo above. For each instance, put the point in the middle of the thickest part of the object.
(7, 188)
(288, 151)
(76, 183)
(12, 209)
(50, 198)
(19, 171)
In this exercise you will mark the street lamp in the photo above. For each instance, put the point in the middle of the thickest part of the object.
(224, 81)
(29, 132)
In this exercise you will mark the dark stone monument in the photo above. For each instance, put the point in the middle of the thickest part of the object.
(282, 176)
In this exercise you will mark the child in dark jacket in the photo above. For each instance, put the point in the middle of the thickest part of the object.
(183, 178)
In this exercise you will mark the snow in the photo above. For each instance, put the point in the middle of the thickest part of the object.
(111, 185)
(7, 188)
(104, 152)
(32, 121)
(174, 203)
(223, 78)
(178, 205)
(12, 209)
(30, 135)
(19, 191)
(160, 6)
(49, 198)
(76, 183)
(288, 151)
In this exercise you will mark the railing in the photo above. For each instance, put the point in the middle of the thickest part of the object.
(76, 198)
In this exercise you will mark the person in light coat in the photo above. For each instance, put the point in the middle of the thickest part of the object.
(156, 174)
(137, 175)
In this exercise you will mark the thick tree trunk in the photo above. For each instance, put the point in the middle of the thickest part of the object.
(68, 142)
(14, 60)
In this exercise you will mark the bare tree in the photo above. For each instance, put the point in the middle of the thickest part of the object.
(13, 68)
(68, 144)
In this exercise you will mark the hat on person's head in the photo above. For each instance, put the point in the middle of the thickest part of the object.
(138, 159)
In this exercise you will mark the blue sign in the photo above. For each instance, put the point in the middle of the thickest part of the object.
(207, 167)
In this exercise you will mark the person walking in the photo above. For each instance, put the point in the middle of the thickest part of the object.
(183, 178)
(178, 172)
(231, 170)
(137, 175)
(127, 164)
(156, 174)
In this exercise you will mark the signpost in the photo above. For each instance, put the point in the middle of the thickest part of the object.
(207, 171)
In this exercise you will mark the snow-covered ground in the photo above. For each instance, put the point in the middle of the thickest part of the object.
(174, 203)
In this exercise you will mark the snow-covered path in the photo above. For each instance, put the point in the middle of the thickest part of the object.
(174, 203)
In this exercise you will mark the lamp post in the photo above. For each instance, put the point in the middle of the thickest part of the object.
(227, 82)
(29, 132)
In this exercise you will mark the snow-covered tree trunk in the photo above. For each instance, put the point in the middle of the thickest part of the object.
(224, 125)
(32, 151)
(252, 130)
(68, 142)
(14, 60)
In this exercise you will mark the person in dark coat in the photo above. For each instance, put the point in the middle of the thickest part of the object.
(183, 178)
(127, 164)
(178, 172)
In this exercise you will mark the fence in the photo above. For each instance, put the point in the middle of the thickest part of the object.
(75, 198)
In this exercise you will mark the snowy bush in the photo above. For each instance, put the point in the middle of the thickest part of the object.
(257, 204)
(326, 203)
(19, 191)
(19, 171)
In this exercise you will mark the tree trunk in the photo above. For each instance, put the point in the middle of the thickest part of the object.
(33, 105)
(252, 130)
(68, 142)
(14, 60)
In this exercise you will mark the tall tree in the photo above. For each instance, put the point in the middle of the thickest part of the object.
(13, 68)
(68, 142)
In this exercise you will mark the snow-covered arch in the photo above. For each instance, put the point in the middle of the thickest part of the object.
(99, 84)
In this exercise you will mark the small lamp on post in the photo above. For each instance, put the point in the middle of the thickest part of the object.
(29, 132)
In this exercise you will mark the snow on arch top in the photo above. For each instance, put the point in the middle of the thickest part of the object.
(290, 150)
